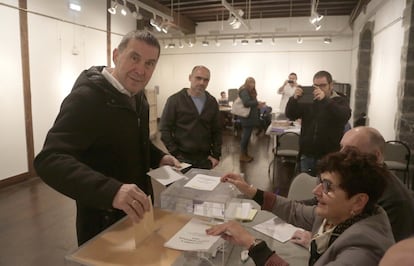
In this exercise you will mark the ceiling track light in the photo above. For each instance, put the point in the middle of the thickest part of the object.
(327, 40)
(112, 9)
(236, 14)
(205, 43)
(299, 40)
(244, 42)
(318, 26)
(258, 41)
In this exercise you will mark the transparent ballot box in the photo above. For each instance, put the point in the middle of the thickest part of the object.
(224, 202)
(179, 198)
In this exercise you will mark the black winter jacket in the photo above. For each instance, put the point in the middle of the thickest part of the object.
(97, 143)
(323, 123)
(184, 130)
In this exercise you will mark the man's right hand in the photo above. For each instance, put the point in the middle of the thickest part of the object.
(240, 183)
(132, 200)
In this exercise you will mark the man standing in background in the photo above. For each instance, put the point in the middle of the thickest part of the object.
(190, 123)
(287, 90)
(323, 121)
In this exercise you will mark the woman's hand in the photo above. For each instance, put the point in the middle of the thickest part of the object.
(233, 232)
(240, 183)
(302, 238)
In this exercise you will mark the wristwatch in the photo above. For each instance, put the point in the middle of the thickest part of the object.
(256, 242)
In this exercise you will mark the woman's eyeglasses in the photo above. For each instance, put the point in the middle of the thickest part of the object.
(326, 184)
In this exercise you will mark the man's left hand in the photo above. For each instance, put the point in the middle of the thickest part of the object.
(318, 94)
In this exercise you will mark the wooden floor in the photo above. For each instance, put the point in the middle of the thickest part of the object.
(37, 224)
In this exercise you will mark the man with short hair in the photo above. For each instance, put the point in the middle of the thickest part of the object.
(287, 90)
(323, 121)
(98, 151)
(190, 123)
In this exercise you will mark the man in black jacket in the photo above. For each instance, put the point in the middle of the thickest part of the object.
(190, 123)
(98, 151)
(323, 121)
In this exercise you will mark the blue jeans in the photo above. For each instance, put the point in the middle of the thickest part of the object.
(308, 165)
(245, 138)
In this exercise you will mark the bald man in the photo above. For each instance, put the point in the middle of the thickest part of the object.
(401, 254)
(397, 200)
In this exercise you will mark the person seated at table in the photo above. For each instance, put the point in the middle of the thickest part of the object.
(347, 225)
(223, 101)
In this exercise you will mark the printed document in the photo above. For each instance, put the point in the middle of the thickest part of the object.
(193, 237)
(277, 228)
(203, 182)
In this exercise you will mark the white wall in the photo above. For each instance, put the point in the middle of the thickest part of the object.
(386, 61)
(268, 64)
(54, 67)
(13, 136)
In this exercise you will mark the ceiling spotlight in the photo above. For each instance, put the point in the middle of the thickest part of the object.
(190, 43)
(205, 43)
(327, 40)
(217, 42)
(123, 12)
(155, 24)
(112, 9)
(75, 7)
(258, 42)
(299, 40)
(164, 28)
(171, 45)
(180, 44)
(273, 42)
(244, 42)
(234, 41)
(136, 13)
(318, 26)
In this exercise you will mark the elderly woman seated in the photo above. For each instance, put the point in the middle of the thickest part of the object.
(348, 227)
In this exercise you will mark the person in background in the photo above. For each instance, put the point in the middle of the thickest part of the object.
(287, 90)
(322, 122)
(223, 101)
(248, 95)
(190, 123)
(397, 200)
(98, 151)
(348, 227)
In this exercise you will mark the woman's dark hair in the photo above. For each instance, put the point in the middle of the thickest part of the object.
(358, 173)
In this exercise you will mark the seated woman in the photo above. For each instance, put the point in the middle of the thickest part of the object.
(348, 227)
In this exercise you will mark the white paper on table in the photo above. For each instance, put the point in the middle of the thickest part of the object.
(277, 229)
(203, 182)
(165, 175)
(193, 237)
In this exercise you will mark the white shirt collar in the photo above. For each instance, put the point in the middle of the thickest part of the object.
(107, 73)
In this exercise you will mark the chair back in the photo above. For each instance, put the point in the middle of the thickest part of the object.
(301, 187)
(287, 144)
(397, 157)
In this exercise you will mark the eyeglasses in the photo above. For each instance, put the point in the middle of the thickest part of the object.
(323, 85)
(326, 184)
